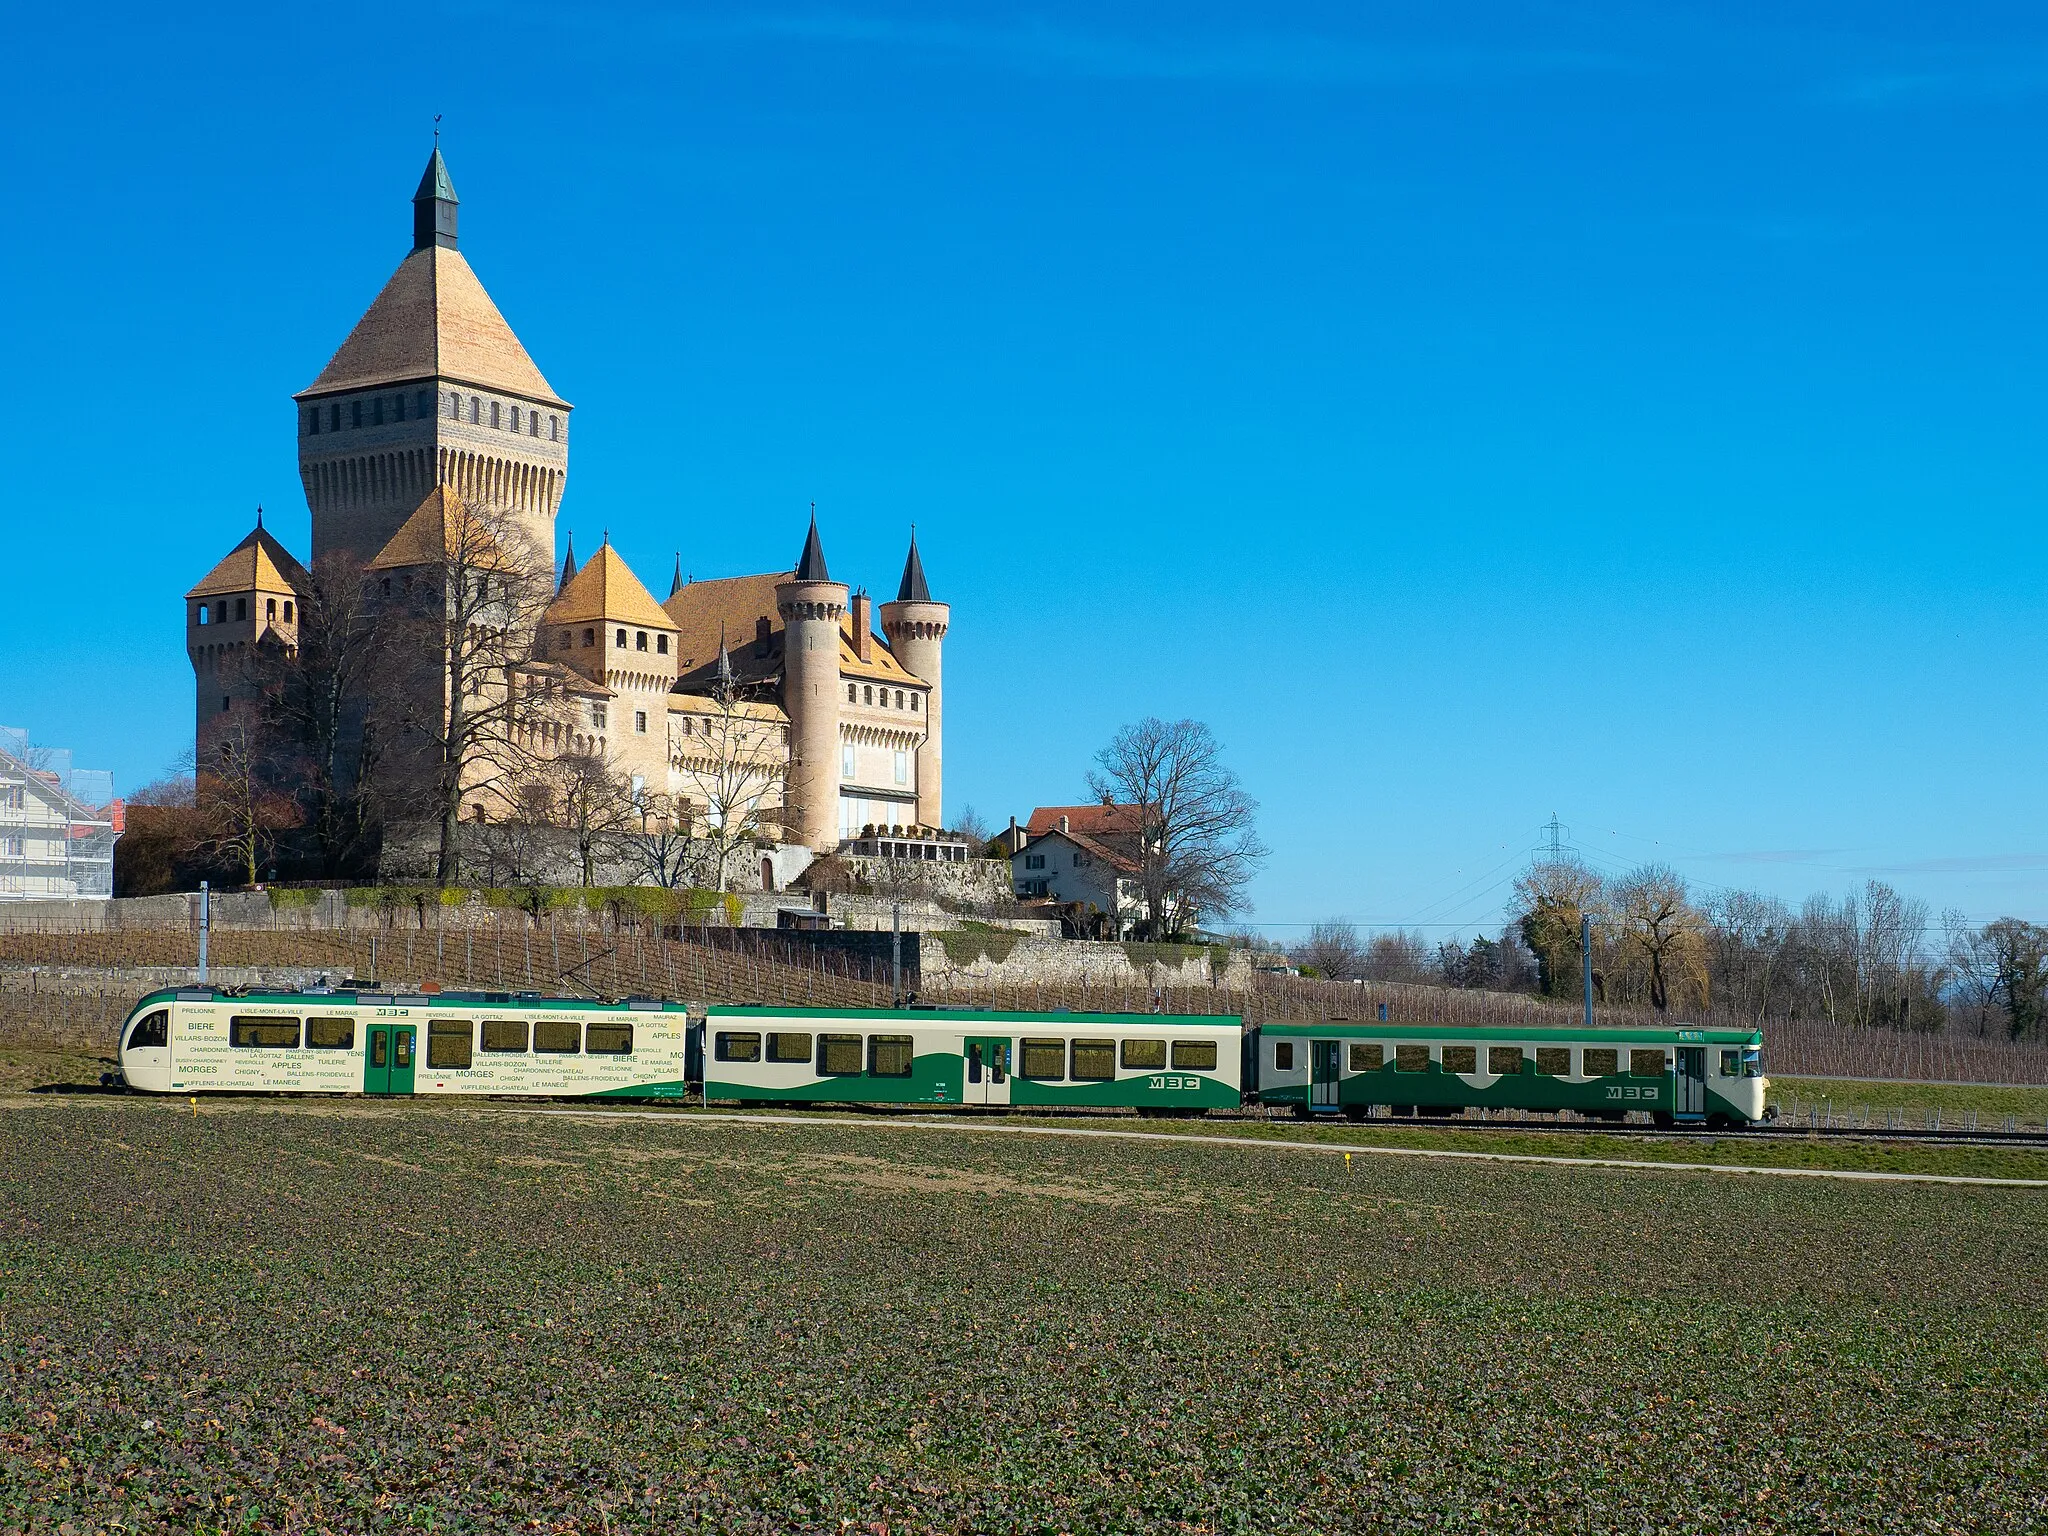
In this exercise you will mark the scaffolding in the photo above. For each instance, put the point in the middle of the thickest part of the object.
(57, 824)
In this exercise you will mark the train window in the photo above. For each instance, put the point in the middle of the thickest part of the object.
(737, 1045)
(1752, 1062)
(891, 1055)
(1504, 1060)
(152, 1029)
(504, 1035)
(401, 1049)
(557, 1037)
(1042, 1058)
(1599, 1061)
(1461, 1058)
(1094, 1061)
(1554, 1060)
(1367, 1057)
(330, 1034)
(789, 1048)
(258, 1032)
(614, 1037)
(448, 1043)
(1645, 1063)
(1283, 1055)
(379, 1056)
(839, 1055)
(1194, 1055)
(1731, 1063)
(1411, 1058)
(1144, 1054)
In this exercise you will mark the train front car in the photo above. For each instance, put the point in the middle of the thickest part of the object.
(1678, 1075)
(144, 1052)
(1149, 1062)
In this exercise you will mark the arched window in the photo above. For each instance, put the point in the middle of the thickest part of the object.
(387, 586)
(639, 639)
(494, 413)
(554, 429)
(589, 638)
(515, 418)
(423, 404)
(202, 615)
(913, 703)
(867, 695)
(454, 405)
(661, 645)
(270, 608)
(852, 694)
(377, 412)
(287, 610)
(565, 639)
(313, 422)
(355, 413)
(533, 423)
(476, 410)
(621, 642)
(334, 416)
(241, 608)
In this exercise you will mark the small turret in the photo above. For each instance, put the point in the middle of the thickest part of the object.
(812, 605)
(433, 206)
(916, 627)
(568, 562)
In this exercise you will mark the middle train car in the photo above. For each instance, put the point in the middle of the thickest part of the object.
(1146, 1061)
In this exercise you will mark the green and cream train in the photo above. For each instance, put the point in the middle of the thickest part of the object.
(499, 1044)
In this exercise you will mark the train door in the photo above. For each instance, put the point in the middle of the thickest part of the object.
(1689, 1084)
(986, 1070)
(388, 1059)
(1323, 1058)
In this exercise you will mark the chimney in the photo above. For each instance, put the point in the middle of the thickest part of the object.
(863, 627)
(1063, 823)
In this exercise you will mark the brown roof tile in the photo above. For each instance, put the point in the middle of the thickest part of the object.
(441, 529)
(258, 564)
(606, 589)
(1097, 820)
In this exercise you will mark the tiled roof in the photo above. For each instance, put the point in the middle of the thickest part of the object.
(699, 608)
(258, 564)
(748, 709)
(1121, 862)
(883, 667)
(433, 320)
(606, 589)
(441, 529)
(1097, 820)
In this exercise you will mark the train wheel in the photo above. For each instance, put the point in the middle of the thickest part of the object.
(1662, 1119)
(1719, 1122)
(1354, 1113)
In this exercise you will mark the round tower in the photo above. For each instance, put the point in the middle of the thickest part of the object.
(812, 605)
(916, 627)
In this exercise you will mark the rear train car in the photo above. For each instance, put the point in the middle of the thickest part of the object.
(1147, 1061)
(1679, 1075)
(200, 1040)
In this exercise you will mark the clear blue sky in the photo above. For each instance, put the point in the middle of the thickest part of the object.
(1470, 410)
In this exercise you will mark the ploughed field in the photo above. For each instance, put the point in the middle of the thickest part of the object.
(355, 1317)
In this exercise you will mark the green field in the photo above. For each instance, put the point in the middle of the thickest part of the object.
(354, 1317)
(1992, 1102)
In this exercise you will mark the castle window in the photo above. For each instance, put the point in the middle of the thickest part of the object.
(287, 610)
(270, 607)
(241, 608)
(661, 645)
(533, 423)
(386, 584)
(621, 642)
(761, 635)
(202, 615)
(313, 422)
(554, 429)
(639, 639)
(565, 639)
(899, 698)
(846, 761)
(355, 413)
(423, 405)
(494, 413)
(902, 767)
(867, 694)
(377, 412)
(589, 638)
(640, 722)
(334, 417)
(515, 418)
(597, 717)
(398, 407)
(852, 694)
(913, 703)
(454, 406)
(223, 701)
(476, 410)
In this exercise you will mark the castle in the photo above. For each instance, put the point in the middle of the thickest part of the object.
(431, 414)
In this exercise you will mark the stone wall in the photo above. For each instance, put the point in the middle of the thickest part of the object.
(972, 882)
(966, 958)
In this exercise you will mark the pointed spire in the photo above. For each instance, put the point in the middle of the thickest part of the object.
(433, 205)
(811, 566)
(912, 588)
(568, 561)
(259, 518)
(724, 661)
(676, 585)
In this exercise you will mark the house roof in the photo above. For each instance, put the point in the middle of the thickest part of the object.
(433, 320)
(1097, 820)
(747, 709)
(567, 679)
(883, 666)
(606, 588)
(258, 564)
(442, 528)
(1122, 863)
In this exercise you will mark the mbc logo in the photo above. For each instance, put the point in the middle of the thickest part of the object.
(1173, 1084)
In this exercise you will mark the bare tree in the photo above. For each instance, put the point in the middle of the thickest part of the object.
(973, 826)
(476, 711)
(1192, 842)
(660, 847)
(1397, 956)
(1551, 898)
(316, 699)
(733, 763)
(1659, 925)
(1747, 939)
(241, 812)
(595, 806)
(1332, 950)
(2020, 949)
(522, 842)
(1974, 966)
